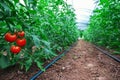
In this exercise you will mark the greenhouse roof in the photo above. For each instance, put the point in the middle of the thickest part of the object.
(83, 10)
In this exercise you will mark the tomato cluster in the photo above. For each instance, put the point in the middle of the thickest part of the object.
(18, 38)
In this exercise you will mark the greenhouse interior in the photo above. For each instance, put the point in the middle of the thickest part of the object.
(60, 40)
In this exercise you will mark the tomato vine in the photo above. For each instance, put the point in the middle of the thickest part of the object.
(104, 27)
(49, 27)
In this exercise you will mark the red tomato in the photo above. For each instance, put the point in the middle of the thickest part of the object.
(15, 49)
(10, 37)
(21, 33)
(21, 42)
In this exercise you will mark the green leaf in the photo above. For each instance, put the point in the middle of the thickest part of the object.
(2, 24)
(26, 2)
(39, 64)
(5, 6)
(116, 52)
(4, 62)
(16, 1)
(46, 43)
(22, 2)
(36, 41)
(18, 27)
(28, 64)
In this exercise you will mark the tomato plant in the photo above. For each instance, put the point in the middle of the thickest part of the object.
(104, 25)
(44, 28)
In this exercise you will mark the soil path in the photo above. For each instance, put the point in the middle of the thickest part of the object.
(82, 62)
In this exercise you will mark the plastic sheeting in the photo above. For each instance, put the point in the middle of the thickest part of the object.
(83, 10)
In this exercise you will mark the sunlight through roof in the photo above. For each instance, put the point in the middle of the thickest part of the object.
(83, 9)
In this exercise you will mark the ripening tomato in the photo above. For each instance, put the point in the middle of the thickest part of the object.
(21, 33)
(15, 49)
(10, 37)
(21, 42)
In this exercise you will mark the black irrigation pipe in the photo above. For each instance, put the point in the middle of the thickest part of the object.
(108, 54)
(51, 63)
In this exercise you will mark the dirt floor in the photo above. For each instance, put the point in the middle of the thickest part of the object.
(82, 62)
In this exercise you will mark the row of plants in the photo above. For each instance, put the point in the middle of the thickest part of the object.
(104, 28)
(33, 31)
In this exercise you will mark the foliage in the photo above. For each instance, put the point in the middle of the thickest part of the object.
(49, 26)
(81, 33)
(104, 28)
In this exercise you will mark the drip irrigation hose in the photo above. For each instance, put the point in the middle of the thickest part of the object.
(51, 63)
(108, 54)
